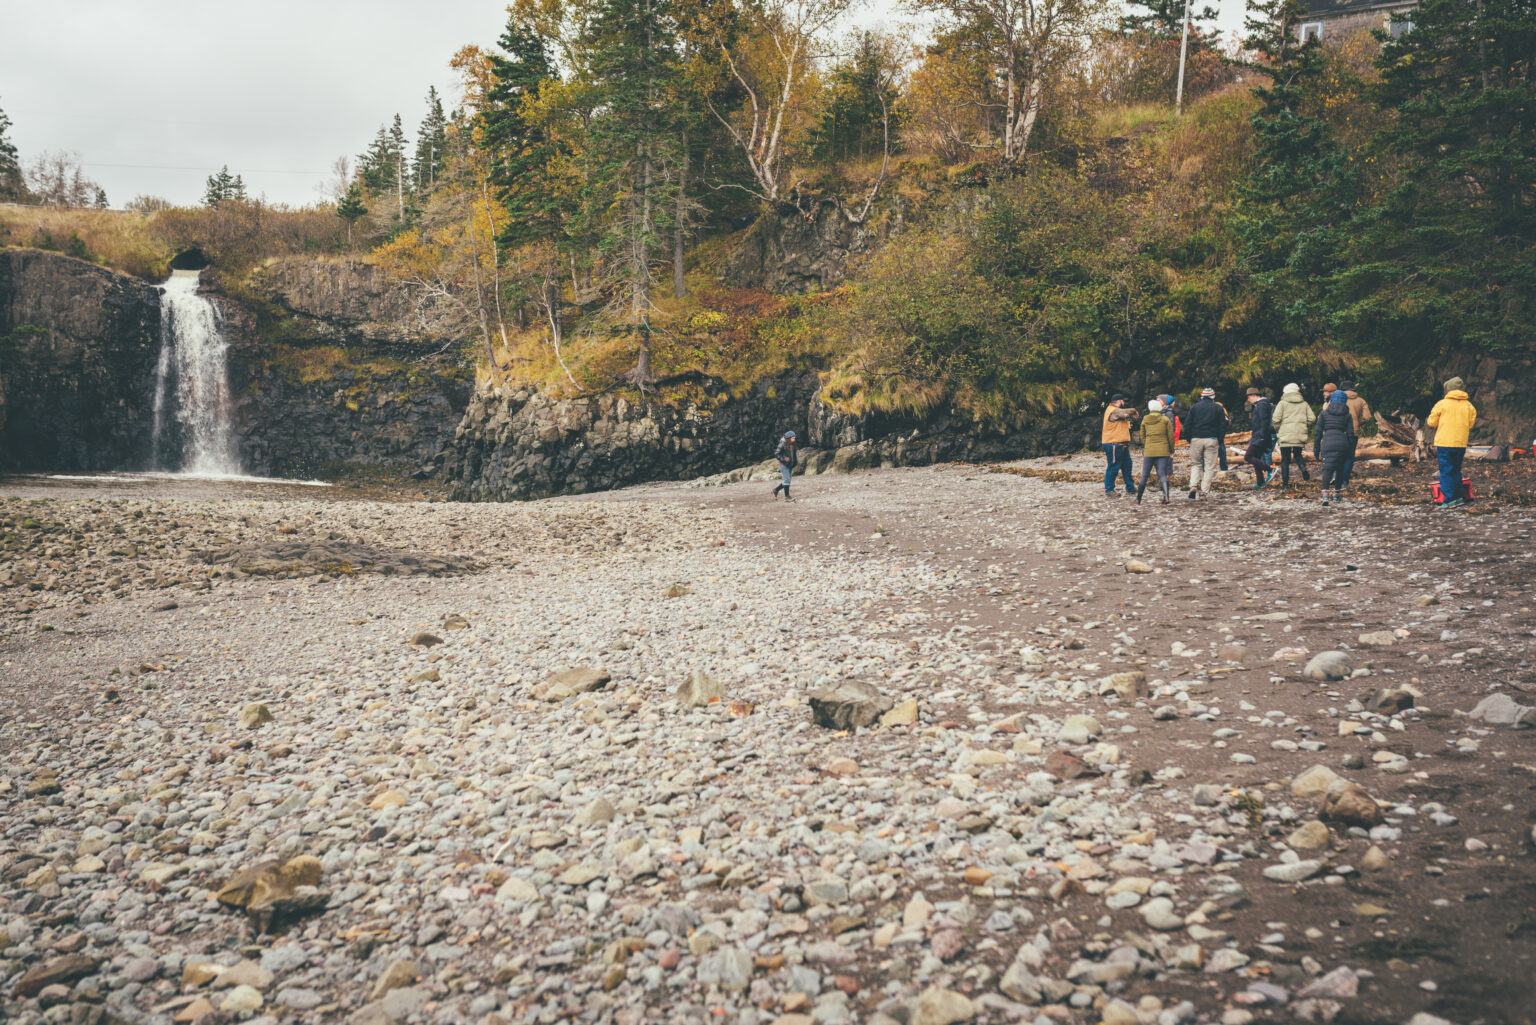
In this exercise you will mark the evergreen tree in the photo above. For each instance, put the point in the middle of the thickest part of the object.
(861, 96)
(1445, 261)
(100, 200)
(12, 186)
(222, 186)
(351, 208)
(431, 144)
(377, 165)
(1165, 19)
(520, 149)
(631, 47)
(1301, 192)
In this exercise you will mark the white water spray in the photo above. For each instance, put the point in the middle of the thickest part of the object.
(192, 382)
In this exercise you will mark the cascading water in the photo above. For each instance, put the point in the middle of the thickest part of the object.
(192, 400)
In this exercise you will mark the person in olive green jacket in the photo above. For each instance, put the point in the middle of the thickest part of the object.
(1157, 449)
(1293, 420)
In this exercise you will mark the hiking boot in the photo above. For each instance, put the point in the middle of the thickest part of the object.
(1194, 492)
(1455, 503)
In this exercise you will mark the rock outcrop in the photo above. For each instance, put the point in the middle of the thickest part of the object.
(78, 345)
(334, 377)
(528, 444)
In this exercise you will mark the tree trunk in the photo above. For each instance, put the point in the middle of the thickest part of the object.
(679, 287)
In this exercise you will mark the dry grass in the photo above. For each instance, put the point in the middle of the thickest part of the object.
(112, 238)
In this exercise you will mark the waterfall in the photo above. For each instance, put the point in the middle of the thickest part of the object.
(192, 400)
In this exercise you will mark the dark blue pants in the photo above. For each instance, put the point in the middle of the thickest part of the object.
(1117, 458)
(1450, 471)
(1349, 468)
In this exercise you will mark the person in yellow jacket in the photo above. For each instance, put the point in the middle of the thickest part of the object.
(1452, 418)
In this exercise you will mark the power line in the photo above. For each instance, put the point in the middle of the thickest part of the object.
(202, 170)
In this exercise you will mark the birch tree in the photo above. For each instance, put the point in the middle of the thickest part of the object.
(1029, 41)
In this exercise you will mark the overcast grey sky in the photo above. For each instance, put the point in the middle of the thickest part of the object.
(157, 94)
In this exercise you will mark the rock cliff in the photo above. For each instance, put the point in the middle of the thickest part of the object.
(78, 345)
(335, 377)
(516, 444)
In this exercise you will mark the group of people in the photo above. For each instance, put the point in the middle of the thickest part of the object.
(1286, 425)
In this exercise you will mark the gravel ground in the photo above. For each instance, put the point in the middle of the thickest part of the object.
(1097, 785)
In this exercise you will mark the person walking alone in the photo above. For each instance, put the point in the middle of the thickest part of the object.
(788, 454)
(1261, 443)
(1453, 419)
(1157, 449)
(1206, 429)
(1334, 443)
(1116, 439)
(1292, 420)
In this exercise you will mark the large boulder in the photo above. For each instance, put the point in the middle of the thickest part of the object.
(849, 704)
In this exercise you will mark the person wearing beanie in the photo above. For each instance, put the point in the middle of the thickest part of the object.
(788, 454)
(1206, 429)
(1292, 422)
(1116, 439)
(1360, 412)
(1157, 449)
(1453, 419)
(1171, 411)
(1261, 443)
(1334, 443)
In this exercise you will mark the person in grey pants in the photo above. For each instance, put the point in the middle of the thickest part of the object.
(1206, 429)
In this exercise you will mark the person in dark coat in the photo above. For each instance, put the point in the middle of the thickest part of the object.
(788, 454)
(1261, 443)
(1206, 428)
(1334, 445)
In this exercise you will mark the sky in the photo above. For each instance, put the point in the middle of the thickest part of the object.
(155, 95)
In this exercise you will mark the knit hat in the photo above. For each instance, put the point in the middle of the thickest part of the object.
(1293, 389)
(790, 435)
(1166, 400)
(1330, 387)
(1209, 393)
(1339, 398)
(1154, 406)
(1455, 384)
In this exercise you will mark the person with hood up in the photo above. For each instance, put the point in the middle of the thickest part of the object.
(1453, 419)
(1360, 412)
(788, 454)
(1157, 449)
(1116, 439)
(1293, 420)
(1206, 428)
(1334, 444)
(1261, 443)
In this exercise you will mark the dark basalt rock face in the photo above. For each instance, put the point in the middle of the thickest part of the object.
(527, 444)
(78, 345)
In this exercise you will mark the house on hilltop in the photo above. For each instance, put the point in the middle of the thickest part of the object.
(1335, 20)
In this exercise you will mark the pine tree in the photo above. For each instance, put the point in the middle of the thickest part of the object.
(100, 200)
(351, 208)
(861, 96)
(1302, 190)
(377, 166)
(1445, 260)
(1165, 19)
(12, 186)
(633, 61)
(222, 186)
(520, 149)
(431, 144)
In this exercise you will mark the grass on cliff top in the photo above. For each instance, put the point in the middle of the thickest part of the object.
(112, 238)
